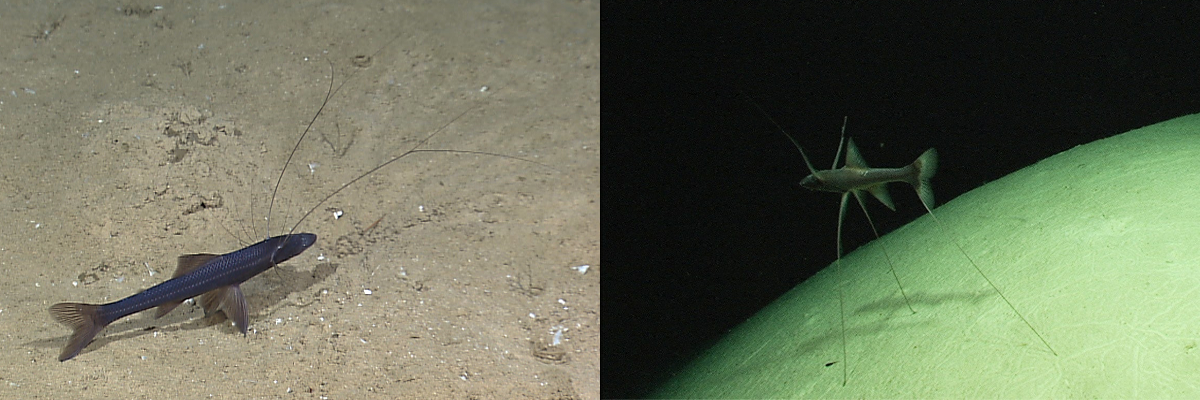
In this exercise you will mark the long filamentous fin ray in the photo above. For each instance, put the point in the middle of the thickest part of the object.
(989, 280)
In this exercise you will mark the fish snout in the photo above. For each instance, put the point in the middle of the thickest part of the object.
(292, 245)
(812, 183)
(307, 239)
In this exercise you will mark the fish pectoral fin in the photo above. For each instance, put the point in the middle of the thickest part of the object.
(189, 262)
(231, 302)
(881, 193)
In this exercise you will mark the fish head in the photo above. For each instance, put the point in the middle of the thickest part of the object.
(291, 245)
(814, 182)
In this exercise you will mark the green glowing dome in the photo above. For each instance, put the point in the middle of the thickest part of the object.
(1098, 247)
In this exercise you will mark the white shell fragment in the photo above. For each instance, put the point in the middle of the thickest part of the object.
(558, 334)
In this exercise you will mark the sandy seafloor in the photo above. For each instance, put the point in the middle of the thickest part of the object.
(134, 133)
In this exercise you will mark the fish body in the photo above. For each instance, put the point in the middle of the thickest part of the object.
(856, 176)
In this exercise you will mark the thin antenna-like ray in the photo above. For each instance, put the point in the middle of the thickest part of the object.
(807, 163)
(989, 281)
(328, 95)
(415, 149)
(862, 204)
(841, 289)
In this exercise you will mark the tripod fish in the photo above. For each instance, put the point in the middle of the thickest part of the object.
(213, 277)
(856, 177)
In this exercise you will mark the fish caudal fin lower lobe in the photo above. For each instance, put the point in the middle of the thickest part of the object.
(925, 166)
(85, 322)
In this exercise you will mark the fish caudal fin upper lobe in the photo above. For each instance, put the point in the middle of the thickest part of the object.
(925, 166)
(83, 319)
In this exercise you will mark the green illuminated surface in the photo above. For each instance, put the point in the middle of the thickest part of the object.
(1099, 248)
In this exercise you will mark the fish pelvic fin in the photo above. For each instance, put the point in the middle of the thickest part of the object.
(84, 320)
(166, 308)
(881, 193)
(925, 166)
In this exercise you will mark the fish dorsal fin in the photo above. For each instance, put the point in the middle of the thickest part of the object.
(190, 262)
(853, 158)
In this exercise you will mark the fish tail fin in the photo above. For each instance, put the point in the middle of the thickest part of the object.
(83, 319)
(925, 166)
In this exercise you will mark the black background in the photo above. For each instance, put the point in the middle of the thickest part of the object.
(703, 218)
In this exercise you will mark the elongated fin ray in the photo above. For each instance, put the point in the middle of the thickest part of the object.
(891, 267)
(414, 150)
(841, 142)
(841, 293)
(328, 95)
(841, 290)
(989, 280)
(804, 155)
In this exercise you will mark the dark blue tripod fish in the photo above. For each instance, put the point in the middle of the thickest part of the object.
(213, 277)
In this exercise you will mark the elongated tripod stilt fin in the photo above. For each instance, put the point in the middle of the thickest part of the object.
(985, 277)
